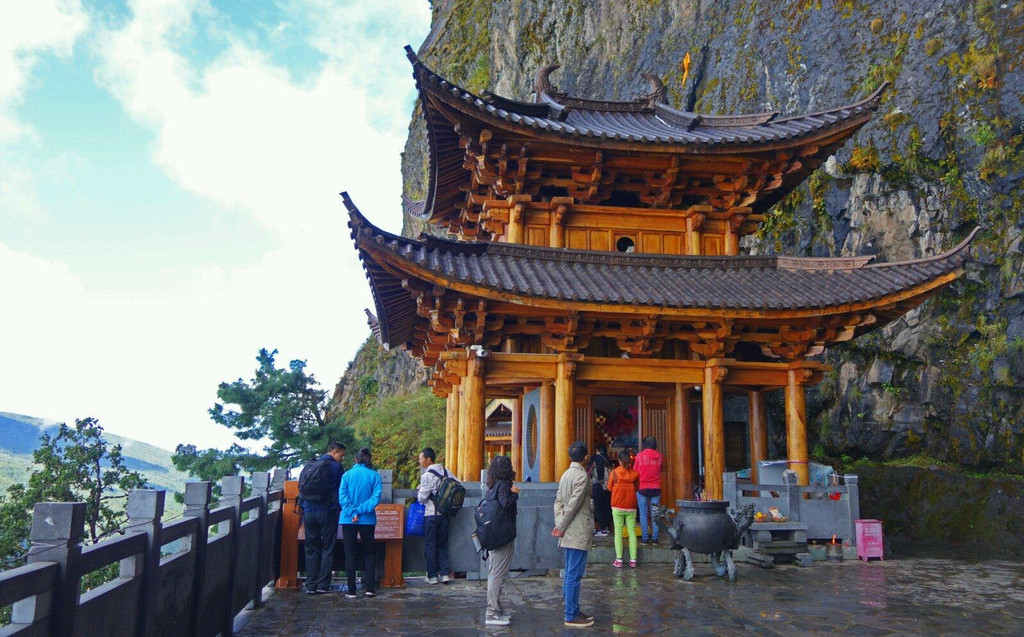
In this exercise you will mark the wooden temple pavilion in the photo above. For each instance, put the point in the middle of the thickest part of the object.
(594, 281)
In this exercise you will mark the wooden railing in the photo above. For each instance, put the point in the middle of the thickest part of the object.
(174, 577)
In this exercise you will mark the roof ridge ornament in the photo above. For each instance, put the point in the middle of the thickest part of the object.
(658, 94)
(542, 85)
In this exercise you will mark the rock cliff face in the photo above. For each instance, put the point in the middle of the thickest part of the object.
(373, 375)
(944, 153)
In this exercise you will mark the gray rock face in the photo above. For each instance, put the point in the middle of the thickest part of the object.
(944, 153)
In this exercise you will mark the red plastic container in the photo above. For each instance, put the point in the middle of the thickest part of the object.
(869, 539)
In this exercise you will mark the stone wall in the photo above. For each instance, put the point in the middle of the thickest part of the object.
(945, 508)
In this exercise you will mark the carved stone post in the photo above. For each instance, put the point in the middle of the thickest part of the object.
(565, 416)
(796, 424)
(197, 505)
(58, 529)
(145, 508)
(714, 430)
(547, 432)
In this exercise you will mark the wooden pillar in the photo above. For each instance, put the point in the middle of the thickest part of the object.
(732, 235)
(451, 429)
(514, 233)
(683, 475)
(547, 432)
(796, 425)
(473, 395)
(516, 450)
(516, 218)
(462, 446)
(693, 239)
(714, 431)
(556, 237)
(565, 412)
(758, 432)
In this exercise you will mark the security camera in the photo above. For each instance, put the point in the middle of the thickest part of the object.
(479, 351)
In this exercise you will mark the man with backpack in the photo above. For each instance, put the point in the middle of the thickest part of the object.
(318, 492)
(435, 517)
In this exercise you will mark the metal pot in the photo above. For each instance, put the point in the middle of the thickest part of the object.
(705, 527)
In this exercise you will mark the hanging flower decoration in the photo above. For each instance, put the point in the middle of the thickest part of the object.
(620, 424)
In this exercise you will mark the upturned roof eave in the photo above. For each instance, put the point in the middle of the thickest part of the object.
(375, 252)
(464, 102)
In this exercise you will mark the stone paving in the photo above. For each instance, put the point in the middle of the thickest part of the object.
(917, 595)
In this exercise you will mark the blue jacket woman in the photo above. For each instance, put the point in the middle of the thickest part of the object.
(359, 495)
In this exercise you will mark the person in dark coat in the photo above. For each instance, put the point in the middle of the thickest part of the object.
(499, 483)
(598, 469)
(320, 520)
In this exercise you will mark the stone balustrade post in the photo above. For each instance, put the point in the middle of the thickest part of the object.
(387, 480)
(729, 489)
(197, 505)
(145, 510)
(793, 495)
(261, 488)
(231, 489)
(853, 506)
(58, 529)
(277, 479)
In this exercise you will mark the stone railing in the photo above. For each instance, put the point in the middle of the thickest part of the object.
(189, 576)
(811, 505)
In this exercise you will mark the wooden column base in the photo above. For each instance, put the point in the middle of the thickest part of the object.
(392, 565)
(291, 519)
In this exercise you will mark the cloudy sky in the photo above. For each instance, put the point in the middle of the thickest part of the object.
(169, 179)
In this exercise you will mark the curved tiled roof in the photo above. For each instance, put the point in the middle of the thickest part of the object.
(730, 283)
(643, 125)
(639, 122)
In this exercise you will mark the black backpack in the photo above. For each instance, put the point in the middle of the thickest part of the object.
(313, 480)
(449, 496)
(495, 526)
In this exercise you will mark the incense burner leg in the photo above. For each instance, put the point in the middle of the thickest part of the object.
(730, 565)
(718, 564)
(688, 561)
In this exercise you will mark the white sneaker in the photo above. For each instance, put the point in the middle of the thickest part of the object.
(497, 620)
(445, 579)
(431, 580)
(601, 534)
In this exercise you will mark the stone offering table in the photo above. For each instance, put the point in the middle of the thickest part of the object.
(777, 541)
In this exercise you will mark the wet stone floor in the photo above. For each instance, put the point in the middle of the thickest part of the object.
(917, 596)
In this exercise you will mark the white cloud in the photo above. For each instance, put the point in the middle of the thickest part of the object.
(29, 30)
(244, 132)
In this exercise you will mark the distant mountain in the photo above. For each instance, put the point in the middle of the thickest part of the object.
(19, 437)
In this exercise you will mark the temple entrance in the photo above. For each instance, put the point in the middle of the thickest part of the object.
(616, 423)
